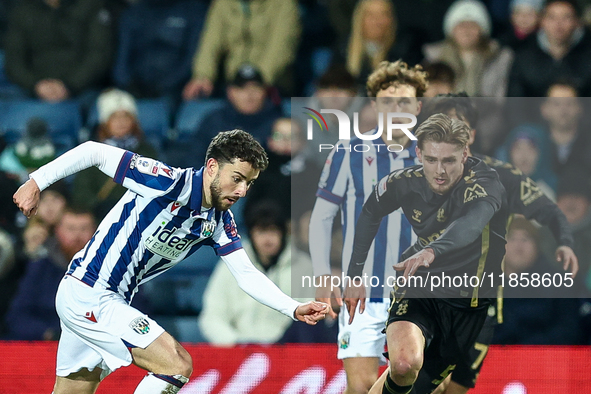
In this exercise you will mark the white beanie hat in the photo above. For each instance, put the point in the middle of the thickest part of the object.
(466, 10)
(115, 100)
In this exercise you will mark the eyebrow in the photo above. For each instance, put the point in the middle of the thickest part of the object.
(241, 174)
(443, 158)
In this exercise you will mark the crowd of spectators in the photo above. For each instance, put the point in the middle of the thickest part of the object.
(236, 64)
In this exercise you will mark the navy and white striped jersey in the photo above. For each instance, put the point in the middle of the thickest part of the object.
(350, 174)
(155, 225)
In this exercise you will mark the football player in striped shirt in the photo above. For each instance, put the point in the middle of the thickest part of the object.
(166, 215)
(352, 170)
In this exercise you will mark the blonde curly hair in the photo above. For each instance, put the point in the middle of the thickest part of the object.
(396, 73)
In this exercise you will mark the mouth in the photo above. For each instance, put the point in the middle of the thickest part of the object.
(440, 181)
(231, 200)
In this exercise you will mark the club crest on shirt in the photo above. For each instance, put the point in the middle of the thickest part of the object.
(474, 192)
(207, 228)
(441, 217)
(140, 325)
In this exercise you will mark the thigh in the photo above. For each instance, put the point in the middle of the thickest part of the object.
(81, 382)
(100, 327)
(161, 356)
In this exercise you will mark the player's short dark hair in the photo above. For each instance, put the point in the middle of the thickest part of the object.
(396, 73)
(442, 128)
(444, 103)
(228, 146)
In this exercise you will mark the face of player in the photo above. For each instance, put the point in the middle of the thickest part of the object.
(230, 182)
(74, 231)
(443, 164)
(397, 98)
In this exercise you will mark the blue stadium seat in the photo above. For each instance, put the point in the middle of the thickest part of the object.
(64, 120)
(192, 113)
(154, 117)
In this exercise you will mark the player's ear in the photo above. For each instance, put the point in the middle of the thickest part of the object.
(419, 106)
(419, 153)
(211, 166)
(465, 155)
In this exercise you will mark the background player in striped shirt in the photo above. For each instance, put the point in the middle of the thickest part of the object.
(347, 180)
(166, 215)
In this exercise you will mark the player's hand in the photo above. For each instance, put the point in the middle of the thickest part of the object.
(567, 257)
(27, 198)
(424, 258)
(311, 312)
(329, 295)
(355, 295)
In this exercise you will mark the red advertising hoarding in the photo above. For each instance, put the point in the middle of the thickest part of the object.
(303, 369)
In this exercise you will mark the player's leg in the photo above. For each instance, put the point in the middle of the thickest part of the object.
(168, 363)
(464, 376)
(405, 350)
(378, 386)
(81, 382)
(361, 373)
(361, 345)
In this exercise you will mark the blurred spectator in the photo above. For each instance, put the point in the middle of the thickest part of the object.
(525, 17)
(374, 39)
(336, 89)
(441, 77)
(574, 200)
(340, 14)
(563, 111)
(527, 147)
(481, 65)
(264, 33)
(9, 275)
(247, 108)
(546, 319)
(34, 149)
(290, 169)
(32, 314)
(57, 49)
(229, 315)
(118, 127)
(8, 185)
(561, 48)
(421, 19)
(157, 42)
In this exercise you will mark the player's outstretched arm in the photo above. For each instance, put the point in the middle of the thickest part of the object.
(261, 288)
(311, 312)
(26, 198)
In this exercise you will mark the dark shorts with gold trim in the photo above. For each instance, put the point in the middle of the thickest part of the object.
(449, 331)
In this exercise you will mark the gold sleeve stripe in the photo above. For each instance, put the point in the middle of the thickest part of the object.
(481, 262)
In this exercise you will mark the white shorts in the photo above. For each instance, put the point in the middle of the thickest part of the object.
(364, 337)
(98, 326)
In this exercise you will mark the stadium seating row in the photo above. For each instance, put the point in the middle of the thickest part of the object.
(67, 128)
